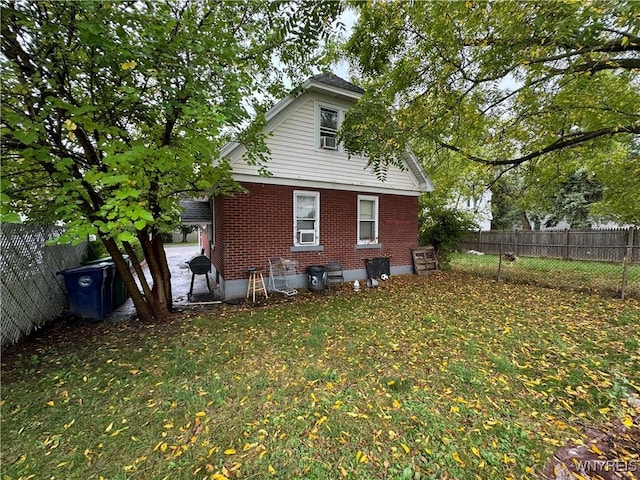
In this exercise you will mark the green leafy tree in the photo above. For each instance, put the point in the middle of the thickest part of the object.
(113, 111)
(620, 178)
(506, 211)
(547, 86)
(185, 230)
(573, 200)
(442, 226)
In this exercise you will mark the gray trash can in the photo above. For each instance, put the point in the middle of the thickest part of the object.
(315, 275)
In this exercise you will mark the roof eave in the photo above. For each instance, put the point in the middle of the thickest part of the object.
(315, 86)
(421, 179)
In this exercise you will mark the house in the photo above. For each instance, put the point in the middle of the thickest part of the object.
(319, 205)
(478, 206)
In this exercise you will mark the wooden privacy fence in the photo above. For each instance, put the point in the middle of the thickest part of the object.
(32, 293)
(611, 245)
(606, 261)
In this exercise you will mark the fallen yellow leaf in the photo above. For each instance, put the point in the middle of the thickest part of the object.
(593, 448)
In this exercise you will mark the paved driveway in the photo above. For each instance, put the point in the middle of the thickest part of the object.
(177, 256)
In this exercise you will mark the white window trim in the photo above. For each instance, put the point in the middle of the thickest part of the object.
(376, 239)
(316, 196)
(341, 114)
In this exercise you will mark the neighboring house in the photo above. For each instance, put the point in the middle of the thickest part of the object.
(319, 205)
(541, 224)
(479, 207)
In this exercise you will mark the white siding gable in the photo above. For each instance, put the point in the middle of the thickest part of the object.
(297, 159)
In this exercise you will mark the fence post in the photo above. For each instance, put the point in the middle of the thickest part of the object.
(565, 250)
(515, 247)
(500, 263)
(479, 240)
(627, 259)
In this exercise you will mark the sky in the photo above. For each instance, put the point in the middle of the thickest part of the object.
(348, 18)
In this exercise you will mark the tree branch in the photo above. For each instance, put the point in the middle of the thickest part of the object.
(599, 65)
(563, 142)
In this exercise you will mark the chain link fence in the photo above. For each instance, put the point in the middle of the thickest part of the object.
(602, 261)
(32, 292)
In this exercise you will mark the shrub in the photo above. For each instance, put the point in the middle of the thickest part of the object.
(443, 227)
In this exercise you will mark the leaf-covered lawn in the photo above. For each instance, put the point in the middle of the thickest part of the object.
(448, 376)
(589, 276)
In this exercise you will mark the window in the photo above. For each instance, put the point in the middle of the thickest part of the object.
(367, 219)
(306, 218)
(328, 128)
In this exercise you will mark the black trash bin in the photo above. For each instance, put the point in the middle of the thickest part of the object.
(315, 275)
(89, 290)
(119, 292)
(377, 266)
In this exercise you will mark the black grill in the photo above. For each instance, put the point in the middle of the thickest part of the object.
(199, 265)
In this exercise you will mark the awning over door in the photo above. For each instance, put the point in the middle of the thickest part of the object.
(196, 212)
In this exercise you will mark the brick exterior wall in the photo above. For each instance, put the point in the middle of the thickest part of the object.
(251, 227)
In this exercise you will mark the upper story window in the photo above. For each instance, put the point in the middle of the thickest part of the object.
(329, 128)
(367, 219)
(306, 218)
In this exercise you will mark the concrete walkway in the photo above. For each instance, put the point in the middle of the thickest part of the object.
(177, 256)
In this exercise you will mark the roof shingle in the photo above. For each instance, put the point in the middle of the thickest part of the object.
(195, 212)
(335, 81)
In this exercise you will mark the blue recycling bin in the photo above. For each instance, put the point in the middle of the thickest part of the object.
(119, 292)
(89, 290)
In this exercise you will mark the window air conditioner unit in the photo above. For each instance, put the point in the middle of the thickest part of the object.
(306, 237)
(329, 143)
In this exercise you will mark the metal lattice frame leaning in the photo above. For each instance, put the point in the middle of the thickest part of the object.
(32, 293)
(280, 269)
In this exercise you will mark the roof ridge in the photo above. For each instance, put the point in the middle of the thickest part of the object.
(334, 80)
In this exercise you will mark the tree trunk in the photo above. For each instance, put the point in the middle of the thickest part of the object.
(146, 290)
(165, 273)
(160, 301)
(145, 313)
(156, 303)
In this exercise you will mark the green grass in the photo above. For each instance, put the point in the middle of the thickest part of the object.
(446, 376)
(570, 274)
